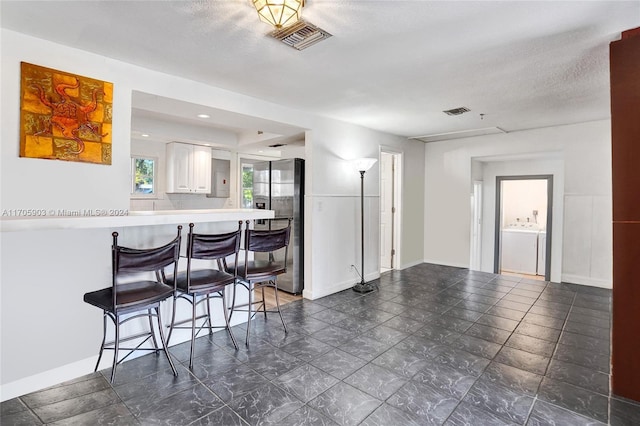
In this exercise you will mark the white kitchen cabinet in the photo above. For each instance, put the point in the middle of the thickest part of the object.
(188, 168)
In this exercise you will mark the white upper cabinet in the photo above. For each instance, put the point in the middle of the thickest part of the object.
(188, 168)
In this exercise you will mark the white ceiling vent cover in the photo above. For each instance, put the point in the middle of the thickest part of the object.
(457, 111)
(300, 35)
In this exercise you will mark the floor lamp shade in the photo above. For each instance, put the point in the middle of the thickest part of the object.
(362, 165)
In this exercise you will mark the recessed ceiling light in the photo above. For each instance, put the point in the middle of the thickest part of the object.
(204, 116)
(145, 135)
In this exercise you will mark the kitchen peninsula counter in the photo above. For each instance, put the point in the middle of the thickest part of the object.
(93, 219)
(48, 263)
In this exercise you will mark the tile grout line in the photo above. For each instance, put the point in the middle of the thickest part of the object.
(436, 289)
(554, 352)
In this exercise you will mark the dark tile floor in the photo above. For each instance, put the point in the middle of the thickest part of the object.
(433, 345)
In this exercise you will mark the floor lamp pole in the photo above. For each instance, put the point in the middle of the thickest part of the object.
(362, 286)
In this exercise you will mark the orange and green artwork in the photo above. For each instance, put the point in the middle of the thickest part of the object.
(64, 116)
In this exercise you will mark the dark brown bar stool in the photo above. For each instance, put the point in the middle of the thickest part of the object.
(210, 283)
(258, 274)
(129, 297)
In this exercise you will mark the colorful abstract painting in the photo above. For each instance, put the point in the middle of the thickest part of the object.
(64, 116)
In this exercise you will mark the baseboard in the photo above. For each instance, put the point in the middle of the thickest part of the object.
(312, 295)
(85, 366)
(410, 264)
(593, 282)
(48, 378)
(327, 291)
(439, 262)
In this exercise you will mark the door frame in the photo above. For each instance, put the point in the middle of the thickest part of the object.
(498, 216)
(475, 256)
(396, 219)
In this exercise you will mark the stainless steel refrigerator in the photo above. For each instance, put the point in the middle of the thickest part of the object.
(279, 186)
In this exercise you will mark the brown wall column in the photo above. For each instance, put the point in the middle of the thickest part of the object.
(625, 134)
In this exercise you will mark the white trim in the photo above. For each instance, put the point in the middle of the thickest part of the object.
(344, 196)
(83, 367)
(593, 282)
(344, 285)
(439, 262)
(48, 378)
(410, 264)
(475, 257)
(398, 174)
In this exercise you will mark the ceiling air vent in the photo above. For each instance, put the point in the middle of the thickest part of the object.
(300, 35)
(457, 111)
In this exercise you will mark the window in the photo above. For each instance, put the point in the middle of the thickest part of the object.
(143, 173)
(247, 186)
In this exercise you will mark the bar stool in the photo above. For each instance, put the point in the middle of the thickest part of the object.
(209, 283)
(259, 274)
(130, 297)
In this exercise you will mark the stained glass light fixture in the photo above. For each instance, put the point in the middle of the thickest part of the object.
(279, 13)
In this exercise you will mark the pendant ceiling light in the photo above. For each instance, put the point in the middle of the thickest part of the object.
(279, 13)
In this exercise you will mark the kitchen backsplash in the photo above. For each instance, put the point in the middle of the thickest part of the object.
(179, 202)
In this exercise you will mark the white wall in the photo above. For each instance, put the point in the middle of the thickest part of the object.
(586, 221)
(332, 236)
(335, 205)
(520, 198)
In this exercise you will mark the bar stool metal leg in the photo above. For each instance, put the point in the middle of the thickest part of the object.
(173, 319)
(249, 315)
(116, 347)
(164, 343)
(264, 304)
(193, 329)
(227, 317)
(209, 314)
(153, 334)
(275, 289)
(104, 337)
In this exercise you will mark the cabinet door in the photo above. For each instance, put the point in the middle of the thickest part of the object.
(201, 177)
(179, 168)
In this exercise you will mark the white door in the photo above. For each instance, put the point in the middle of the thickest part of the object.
(386, 210)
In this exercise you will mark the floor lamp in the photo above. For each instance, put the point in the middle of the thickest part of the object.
(362, 165)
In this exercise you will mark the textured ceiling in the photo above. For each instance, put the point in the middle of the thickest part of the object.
(390, 65)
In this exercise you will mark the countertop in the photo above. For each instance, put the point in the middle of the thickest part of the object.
(29, 220)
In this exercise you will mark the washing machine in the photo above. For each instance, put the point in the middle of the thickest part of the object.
(520, 251)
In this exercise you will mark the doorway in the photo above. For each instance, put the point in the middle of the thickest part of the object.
(389, 196)
(523, 226)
